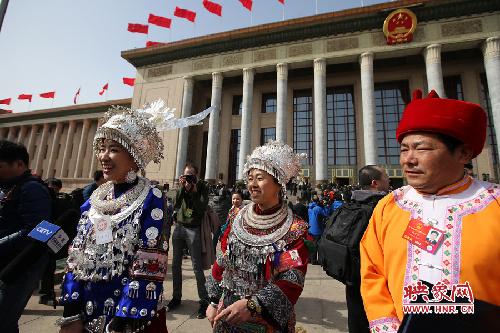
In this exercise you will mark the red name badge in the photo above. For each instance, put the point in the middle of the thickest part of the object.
(288, 260)
(422, 235)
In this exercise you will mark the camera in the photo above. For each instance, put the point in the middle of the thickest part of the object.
(190, 178)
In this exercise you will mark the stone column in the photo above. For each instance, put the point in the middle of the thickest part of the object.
(94, 163)
(246, 118)
(491, 51)
(432, 55)
(3, 133)
(55, 150)
(281, 102)
(320, 131)
(40, 154)
(182, 144)
(68, 149)
(369, 111)
(22, 134)
(81, 148)
(213, 129)
(32, 143)
(12, 133)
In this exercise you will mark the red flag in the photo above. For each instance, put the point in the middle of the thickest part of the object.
(77, 93)
(282, 1)
(184, 13)
(28, 97)
(149, 43)
(129, 81)
(247, 4)
(159, 21)
(9, 111)
(140, 28)
(48, 95)
(5, 101)
(104, 89)
(213, 7)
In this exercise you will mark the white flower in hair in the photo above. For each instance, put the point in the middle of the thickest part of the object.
(164, 119)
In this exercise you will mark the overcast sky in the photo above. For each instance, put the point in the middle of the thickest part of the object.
(62, 45)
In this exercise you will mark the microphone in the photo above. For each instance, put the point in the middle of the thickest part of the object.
(48, 236)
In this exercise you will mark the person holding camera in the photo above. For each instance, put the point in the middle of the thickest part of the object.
(191, 199)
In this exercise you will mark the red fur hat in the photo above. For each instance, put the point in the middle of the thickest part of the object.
(461, 120)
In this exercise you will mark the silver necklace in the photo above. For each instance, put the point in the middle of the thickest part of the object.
(102, 205)
(239, 231)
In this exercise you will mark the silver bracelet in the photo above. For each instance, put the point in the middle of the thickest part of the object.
(65, 321)
(215, 305)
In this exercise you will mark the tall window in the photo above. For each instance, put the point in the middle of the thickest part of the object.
(341, 125)
(487, 107)
(234, 153)
(237, 105)
(266, 134)
(302, 124)
(453, 87)
(269, 103)
(391, 99)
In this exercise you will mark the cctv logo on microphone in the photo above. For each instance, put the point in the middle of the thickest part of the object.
(50, 234)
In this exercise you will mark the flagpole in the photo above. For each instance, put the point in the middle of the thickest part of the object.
(53, 99)
(169, 34)
(283, 11)
(147, 34)
(78, 99)
(251, 16)
(316, 7)
(194, 32)
(107, 90)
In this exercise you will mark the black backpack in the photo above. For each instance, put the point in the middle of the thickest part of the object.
(338, 248)
(60, 204)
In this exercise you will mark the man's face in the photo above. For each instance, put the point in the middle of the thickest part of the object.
(433, 236)
(9, 171)
(190, 171)
(427, 163)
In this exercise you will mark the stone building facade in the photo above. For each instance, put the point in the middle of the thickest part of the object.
(59, 141)
(328, 85)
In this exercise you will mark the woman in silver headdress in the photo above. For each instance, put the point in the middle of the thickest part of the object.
(118, 260)
(260, 272)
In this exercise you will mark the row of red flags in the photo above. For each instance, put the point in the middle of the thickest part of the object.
(7, 101)
(164, 22)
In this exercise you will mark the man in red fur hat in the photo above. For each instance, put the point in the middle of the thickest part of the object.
(402, 272)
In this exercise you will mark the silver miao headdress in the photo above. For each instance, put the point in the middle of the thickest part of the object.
(277, 159)
(138, 130)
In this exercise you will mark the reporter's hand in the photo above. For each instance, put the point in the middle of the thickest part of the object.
(74, 327)
(211, 312)
(236, 314)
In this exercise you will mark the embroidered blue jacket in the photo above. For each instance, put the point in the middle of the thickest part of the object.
(136, 292)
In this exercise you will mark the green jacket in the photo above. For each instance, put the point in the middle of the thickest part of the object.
(197, 202)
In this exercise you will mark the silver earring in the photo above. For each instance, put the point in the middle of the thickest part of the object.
(131, 176)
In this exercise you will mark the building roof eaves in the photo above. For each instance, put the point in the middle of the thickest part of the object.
(66, 111)
(328, 24)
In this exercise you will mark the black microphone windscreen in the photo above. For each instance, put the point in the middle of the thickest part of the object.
(35, 250)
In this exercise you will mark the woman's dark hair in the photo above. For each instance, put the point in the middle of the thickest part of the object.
(13, 151)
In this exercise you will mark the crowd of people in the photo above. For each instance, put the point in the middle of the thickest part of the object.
(430, 241)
